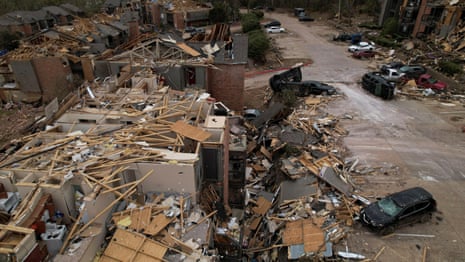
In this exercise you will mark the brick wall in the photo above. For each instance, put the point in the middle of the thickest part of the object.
(155, 11)
(227, 85)
(178, 20)
(54, 76)
(133, 30)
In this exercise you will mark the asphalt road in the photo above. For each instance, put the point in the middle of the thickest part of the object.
(423, 140)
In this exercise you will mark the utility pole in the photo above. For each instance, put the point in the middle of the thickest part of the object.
(339, 12)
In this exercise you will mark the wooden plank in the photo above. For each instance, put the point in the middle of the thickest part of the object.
(292, 234)
(255, 222)
(262, 207)
(191, 51)
(266, 153)
(159, 222)
(141, 218)
(129, 246)
(313, 237)
(312, 100)
(190, 131)
(304, 232)
(17, 229)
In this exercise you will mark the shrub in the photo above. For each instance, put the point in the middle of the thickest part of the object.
(390, 26)
(288, 97)
(450, 68)
(259, 14)
(218, 14)
(250, 23)
(258, 45)
(9, 41)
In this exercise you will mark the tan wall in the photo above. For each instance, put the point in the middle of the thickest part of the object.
(166, 177)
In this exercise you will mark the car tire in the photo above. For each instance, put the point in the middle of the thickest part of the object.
(387, 230)
(324, 93)
(425, 218)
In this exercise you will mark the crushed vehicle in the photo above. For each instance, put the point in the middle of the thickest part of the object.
(376, 84)
(292, 80)
(362, 46)
(401, 208)
(275, 29)
(412, 71)
(427, 81)
(363, 54)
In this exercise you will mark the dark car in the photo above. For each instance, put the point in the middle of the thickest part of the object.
(304, 18)
(375, 83)
(273, 23)
(308, 87)
(413, 71)
(342, 37)
(401, 208)
(189, 29)
(363, 54)
(392, 65)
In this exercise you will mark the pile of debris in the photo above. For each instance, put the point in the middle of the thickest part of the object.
(121, 168)
(299, 192)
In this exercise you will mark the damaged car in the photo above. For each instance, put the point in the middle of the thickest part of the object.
(375, 83)
(310, 87)
(292, 80)
(401, 208)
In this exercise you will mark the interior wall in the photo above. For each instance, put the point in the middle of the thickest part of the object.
(167, 177)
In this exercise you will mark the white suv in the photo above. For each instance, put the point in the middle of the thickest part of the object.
(275, 29)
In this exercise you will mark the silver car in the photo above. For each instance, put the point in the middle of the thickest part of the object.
(362, 46)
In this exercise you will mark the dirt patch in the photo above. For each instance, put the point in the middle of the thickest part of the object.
(16, 121)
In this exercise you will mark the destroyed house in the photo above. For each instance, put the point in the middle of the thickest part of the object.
(229, 53)
(41, 74)
(141, 142)
(176, 14)
(426, 17)
(60, 16)
(216, 66)
(28, 22)
(72, 9)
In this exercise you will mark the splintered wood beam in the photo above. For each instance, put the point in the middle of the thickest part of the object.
(103, 185)
(201, 221)
(71, 232)
(121, 162)
(48, 147)
(129, 192)
(119, 187)
(53, 163)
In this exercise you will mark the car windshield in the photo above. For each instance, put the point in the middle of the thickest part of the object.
(389, 207)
